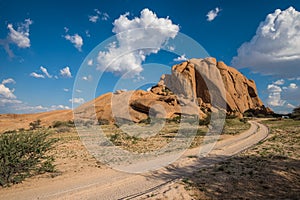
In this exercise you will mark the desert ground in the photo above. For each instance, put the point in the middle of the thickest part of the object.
(250, 161)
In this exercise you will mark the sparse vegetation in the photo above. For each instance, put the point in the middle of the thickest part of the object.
(270, 170)
(235, 126)
(24, 154)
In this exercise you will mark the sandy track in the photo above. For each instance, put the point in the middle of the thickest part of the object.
(93, 183)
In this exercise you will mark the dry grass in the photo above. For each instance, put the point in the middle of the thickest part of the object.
(270, 170)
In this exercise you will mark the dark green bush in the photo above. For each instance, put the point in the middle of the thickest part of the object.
(103, 122)
(57, 124)
(24, 154)
(205, 121)
(145, 121)
(176, 119)
(296, 113)
(35, 124)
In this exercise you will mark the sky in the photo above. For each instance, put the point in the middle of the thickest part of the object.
(60, 54)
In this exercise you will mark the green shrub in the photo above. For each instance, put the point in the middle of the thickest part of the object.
(24, 154)
(57, 124)
(176, 119)
(205, 121)
(35, 124)
(103, 122)
(145, 121)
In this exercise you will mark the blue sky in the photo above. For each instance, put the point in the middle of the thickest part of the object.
(46, 46)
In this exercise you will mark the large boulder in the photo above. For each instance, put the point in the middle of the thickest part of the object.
(209, 83)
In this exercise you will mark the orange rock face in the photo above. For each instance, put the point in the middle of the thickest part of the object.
(200, 78)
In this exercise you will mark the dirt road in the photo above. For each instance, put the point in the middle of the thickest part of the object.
(105, 183)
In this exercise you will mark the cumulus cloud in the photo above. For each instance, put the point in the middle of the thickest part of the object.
(66, 89)
(98, 15)
(65, 72)
(275, 49)
(77, 100)
(18, 36)
(5, 92)
(76, 40)
(133, 37)
(279, 82)
(212, 14)
(274, 98)
(283, 96)
(293, 86)
(180, 58)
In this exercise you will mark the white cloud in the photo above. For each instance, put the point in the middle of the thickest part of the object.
(98, 15)
(39, 108)
(279, 82)
(94, 18)
(274, 98)
(20, 36)
(44, 70)
(65, 72)
(36, 75)
(5, 92)
(66, 89)
(275, 49)
(87, 78)
(293, 86)
(77, 100)
(9, 80)
(133, 38)
(58, 107)
(212, 14)
(9, 101)
(78, 91)
(76, 40)
(180, 58)
(90, 62)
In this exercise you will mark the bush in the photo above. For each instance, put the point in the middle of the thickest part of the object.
(205, 121)
(176, 119)
(57, 124)
(296, 113)
(145, 121)
(35, 124)
(23, 155)
(103, 122)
